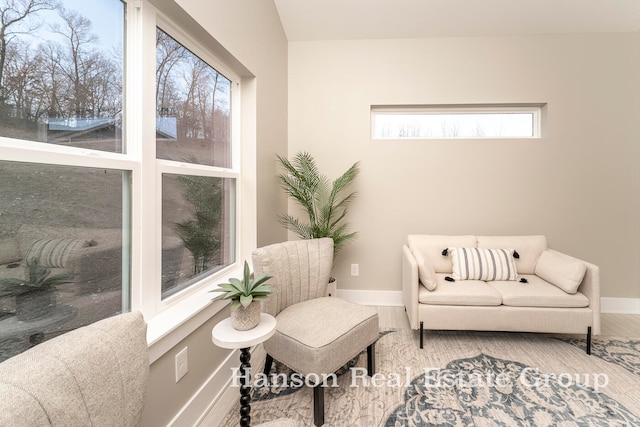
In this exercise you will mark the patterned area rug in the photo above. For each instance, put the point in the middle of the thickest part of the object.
(467, 379)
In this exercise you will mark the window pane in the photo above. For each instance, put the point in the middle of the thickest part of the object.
(61, 245)
(437, 122)
(198, 227)
(61, 77)
(193, 101)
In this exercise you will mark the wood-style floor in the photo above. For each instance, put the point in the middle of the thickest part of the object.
(618, 325)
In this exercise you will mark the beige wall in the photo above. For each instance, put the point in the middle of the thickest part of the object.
(250, 33)
(579, 186)
(165, 397)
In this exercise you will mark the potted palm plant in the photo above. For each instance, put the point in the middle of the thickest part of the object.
(323, 200)
(245, 295)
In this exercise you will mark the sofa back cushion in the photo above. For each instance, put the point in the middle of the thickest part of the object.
(431, 247)
(529, 249)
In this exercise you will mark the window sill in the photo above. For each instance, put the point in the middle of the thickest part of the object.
(166, 329)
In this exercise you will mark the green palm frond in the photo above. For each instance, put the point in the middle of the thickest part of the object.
(323, 200)
(304, 231)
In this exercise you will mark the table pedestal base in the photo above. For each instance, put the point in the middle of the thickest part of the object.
(245, 387)
(226, 336)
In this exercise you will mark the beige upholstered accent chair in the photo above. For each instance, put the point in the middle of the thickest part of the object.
(315, 334)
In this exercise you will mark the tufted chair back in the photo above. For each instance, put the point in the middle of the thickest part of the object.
(300, 271)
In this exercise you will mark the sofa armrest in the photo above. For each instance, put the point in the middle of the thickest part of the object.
(410, 286)
(94, 375)
(590, 287)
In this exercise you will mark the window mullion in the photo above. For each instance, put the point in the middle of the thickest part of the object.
(141, 106)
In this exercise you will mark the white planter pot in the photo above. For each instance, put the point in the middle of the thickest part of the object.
(247, 318)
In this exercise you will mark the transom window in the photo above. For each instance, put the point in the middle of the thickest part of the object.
(452, 121)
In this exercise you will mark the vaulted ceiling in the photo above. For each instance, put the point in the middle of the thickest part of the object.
(384, 19)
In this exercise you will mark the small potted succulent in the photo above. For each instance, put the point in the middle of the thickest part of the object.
(245, 295)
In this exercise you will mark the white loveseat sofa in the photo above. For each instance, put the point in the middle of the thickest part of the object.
(548, 291)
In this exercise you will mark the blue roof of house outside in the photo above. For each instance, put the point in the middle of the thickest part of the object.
(78, 125)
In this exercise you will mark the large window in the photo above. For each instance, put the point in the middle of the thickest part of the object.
(193, 102)
(61, 73)
(96, 218)
(456, 121)
(61, 245)
(197, 228)
(193, 131)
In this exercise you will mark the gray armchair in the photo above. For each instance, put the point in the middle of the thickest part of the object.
(315, 334)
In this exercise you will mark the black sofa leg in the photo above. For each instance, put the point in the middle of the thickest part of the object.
(421, 333)
(318, 404)
(371, 359)
(589, 340)
(267, 365)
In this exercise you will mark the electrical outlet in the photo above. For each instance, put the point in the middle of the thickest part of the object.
(355, 270)
(182, 364)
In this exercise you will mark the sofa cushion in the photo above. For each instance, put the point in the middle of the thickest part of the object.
(537, 293)
(561, 270)
(529, 249)
(431, 247)
(426, 273)
(483, 264)
(465, 292)
(321, 334)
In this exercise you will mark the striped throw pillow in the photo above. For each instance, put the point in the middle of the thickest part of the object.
(53, 253)
(483, 264)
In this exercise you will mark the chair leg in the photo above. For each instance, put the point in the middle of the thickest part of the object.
(318, 404)
(267, 365)
(589, 340)
(421, 333)
(371, 359)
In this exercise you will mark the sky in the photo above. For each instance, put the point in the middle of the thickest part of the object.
(106, 16)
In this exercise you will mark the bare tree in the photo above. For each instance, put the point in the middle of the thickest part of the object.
(78, 58)
(53, 84)
(14, 20)
(22, 73)
(169, 54)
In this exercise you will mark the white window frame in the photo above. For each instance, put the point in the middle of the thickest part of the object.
(170, 320)
(192, 305)
(536, 109)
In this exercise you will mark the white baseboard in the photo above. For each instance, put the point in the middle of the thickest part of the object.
(197, 408)
(620, 305)
(390, 298)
